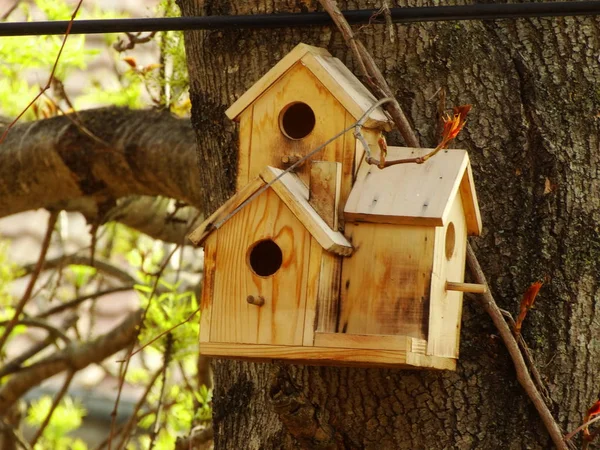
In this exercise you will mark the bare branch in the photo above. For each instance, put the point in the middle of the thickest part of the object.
(75, 302)
(55, 402)
(36, 273)
(75, 356)
(38, 323)
(195, 439)
(523, 376)
(100, 264)
(15, 364)
(52, 163)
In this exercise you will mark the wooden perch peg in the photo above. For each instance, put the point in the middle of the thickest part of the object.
(466, 287)
(259, 300)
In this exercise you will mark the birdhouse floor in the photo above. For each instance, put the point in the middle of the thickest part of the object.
(338, 356)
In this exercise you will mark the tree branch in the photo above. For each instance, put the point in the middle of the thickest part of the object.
(52, 162)
(100, 264)
(523, 376)
(74, 357)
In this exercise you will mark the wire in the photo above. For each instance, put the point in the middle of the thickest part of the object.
(398, 15)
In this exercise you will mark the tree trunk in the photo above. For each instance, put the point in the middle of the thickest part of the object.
(533, 140)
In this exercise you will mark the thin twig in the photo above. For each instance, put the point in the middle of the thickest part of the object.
(77, 301)
(530, 362)
(55, 403)
(133, 419)
(125, 362)
(122, 372)
(10, 10)
(156, 338)
(570, 436)
(372, 73)
(166, 360)
(523, 376)
(15, 434)
(49, 83)
(16, 364)
(38, 323)
(34, 276)
(99, 264)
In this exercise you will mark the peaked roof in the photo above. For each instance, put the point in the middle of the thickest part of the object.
(330, 71)
(415, 194)
(294, 194)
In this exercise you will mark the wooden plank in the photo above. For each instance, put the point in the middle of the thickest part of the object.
(294, 194)
(270, 144)
(324, 191)
(446, 306)
(245, 139)
(328, 356)
(329, 293)
(271, 77)
(415, 194)
(470, 203)
(280, 320)
(347, 89)
(385, 283)
(312, 292)
(342, 340)
(208, 286)
(209, 225)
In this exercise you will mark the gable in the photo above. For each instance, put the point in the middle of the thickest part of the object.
(415, 194)
(294, 195)
(339, 81)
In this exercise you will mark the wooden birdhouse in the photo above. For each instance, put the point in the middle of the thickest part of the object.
(338, 262)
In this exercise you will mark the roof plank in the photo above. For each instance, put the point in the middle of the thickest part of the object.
(414, 194)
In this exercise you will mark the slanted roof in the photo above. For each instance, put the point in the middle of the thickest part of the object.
(415, 194)
(330, 71)
(294, 194)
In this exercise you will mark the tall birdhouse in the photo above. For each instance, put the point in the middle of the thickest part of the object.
(337, 262)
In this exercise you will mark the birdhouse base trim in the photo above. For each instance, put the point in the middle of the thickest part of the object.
(356, 357)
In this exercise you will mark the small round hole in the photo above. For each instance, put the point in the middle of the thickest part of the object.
(297, 120)
(265, 258)
(450, 240)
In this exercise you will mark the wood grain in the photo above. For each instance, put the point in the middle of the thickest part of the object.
(208, 286)
(281, 319)
(324, 190)
(329, 293)
(385, 283)
(294, 194)
(446, 306)
(412, 194)
(355, 357)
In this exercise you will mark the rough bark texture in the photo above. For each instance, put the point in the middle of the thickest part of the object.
(534, 141)
(56, 164)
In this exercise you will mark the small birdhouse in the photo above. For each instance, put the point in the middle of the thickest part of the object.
(338, 262)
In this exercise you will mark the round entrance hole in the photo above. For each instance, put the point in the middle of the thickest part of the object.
(450, 240)
(297, 120)
(265, 258)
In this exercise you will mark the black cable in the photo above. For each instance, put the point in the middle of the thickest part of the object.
(399, 15)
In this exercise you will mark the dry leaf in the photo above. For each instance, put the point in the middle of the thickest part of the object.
(131, 61)
(593, 411)
(526, 304)
(548, 186)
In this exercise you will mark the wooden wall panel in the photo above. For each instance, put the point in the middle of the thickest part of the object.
(385, 283)
(446, 306)
(281, 319)
(269, 144)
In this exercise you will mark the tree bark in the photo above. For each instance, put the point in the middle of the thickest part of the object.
(104, 163)
(533, 139)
